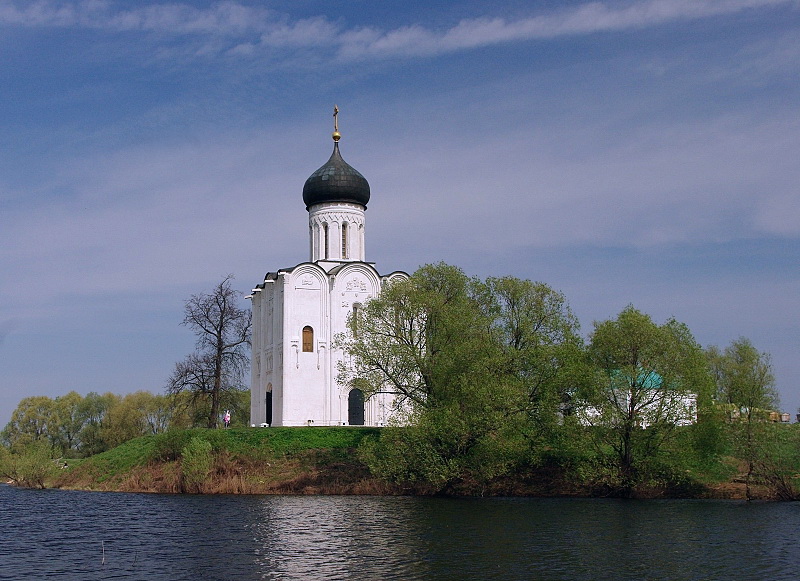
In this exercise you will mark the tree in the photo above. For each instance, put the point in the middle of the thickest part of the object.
(68, 421)
(649, 380)
(417, 339)
(745, 385)
(94, 411)
(221, 357)
(482, 366)
(30, 421)
(542, 351)
(29, 465)
(136, 414)
(743, 378)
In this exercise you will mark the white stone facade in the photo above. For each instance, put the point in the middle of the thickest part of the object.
(298, 312)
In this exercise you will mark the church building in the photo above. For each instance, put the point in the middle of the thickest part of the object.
(298, 311)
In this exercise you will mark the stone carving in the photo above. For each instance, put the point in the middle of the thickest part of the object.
(356, 284)
(328, 218)
(307, 281)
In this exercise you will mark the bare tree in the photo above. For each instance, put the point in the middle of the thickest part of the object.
(221, 355)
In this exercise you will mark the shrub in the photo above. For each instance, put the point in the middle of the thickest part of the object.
(196, 463)
(32, 466)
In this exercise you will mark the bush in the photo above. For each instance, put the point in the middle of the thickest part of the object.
(32, 466)
(169, 445)
(196, 463)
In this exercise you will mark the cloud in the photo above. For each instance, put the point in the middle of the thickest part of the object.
(223, 18)
(660, 185)
(249, 27)
(585, 19)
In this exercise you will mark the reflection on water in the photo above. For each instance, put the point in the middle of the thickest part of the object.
(80, 535)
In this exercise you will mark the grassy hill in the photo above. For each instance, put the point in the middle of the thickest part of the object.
(324, 460)
(242, 460)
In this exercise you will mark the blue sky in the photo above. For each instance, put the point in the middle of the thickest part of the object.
(622, 151)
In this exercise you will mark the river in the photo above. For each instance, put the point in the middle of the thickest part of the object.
(54, 534)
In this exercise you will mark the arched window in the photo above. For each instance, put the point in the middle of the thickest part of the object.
(326, 240)
(344, 240)
(355, 407)
(308, 339)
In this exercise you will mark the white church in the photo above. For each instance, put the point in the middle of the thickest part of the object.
(298, 311)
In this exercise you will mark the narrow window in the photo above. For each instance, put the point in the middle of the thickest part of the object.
(344, 240)
(268, 405)
(325, 234)
(356, 311)
(308, 340)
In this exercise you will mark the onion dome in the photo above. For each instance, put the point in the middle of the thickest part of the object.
(336, 181)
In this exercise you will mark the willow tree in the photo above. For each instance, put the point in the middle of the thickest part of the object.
(649, 379)
(428, 341)
(418, 339)
(745, 386)
(481, 366)
(221, 357)
(542, 353)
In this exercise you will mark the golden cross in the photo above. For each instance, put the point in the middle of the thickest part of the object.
(335, 118)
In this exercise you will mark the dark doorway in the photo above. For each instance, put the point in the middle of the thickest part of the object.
(355, 407)
(268, 403)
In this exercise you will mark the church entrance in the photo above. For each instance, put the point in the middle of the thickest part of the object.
(268, 404)
(355, 407)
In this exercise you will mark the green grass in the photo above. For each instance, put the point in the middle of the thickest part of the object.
(255, 443)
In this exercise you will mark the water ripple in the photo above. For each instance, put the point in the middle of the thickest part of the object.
(79, 535)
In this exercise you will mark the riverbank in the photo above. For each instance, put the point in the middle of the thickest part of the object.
(323, 461)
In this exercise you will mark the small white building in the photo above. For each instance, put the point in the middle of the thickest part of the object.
(298, 311)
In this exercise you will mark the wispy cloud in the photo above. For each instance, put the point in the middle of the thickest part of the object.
(223, 18)
(249, 28)
(585, 19)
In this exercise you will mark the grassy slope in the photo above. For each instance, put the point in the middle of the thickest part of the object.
(307, 461)
(274, 460)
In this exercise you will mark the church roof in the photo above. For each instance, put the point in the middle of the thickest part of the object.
(336, 181)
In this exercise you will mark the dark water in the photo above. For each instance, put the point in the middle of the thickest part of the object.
(78, 535)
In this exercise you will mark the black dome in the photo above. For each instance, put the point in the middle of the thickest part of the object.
(336, 181)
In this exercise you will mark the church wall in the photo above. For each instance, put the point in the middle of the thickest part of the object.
(306, 306)
(263, 365)
(275, 362)
(255, 363)
(354, 283)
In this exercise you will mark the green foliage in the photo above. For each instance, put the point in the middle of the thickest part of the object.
(169, 446)
(743, 377)
(93, 409)
(255, 445)
(196, 463)
(418, 339)
(481, 370)
(745, 386)
(30, 422)
(30, 465)
(64, 432)
(649, 378)
(778, 464)
(83, 426)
